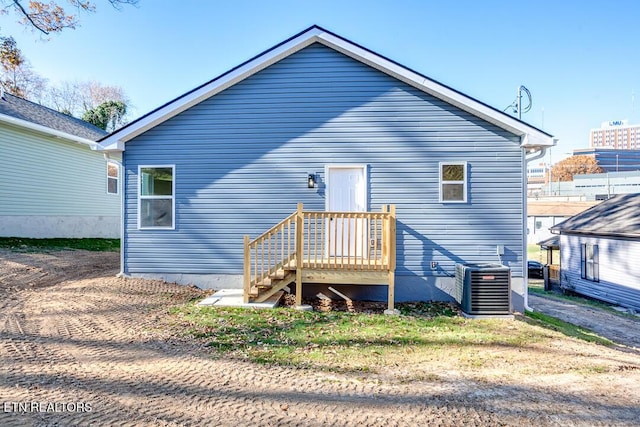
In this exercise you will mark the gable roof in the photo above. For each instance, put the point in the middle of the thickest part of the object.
(20, 112)
(617, 217)
(531, 137)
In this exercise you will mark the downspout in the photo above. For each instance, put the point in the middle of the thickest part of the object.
(525, 270)
(121, 189)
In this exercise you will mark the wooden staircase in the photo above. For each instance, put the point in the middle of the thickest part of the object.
(277, 279)
(321, 247)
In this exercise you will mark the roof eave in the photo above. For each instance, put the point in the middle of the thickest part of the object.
(537, 140)
(116, 140)
(531, 138)
(48, 131)
(605, 234)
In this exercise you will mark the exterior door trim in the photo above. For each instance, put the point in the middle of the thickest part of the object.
(365, 173)
(359, 246)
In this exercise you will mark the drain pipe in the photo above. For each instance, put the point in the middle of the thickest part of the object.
(121, 190)
(525, 270)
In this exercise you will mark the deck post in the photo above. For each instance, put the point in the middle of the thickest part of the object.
(384, 253)
(247, 270)
(392, 258)
(299, 254)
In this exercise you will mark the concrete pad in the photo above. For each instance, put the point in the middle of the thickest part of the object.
(625, 310)
(234, 298)
(488, 316)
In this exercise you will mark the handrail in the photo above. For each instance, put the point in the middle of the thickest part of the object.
(267, 260)
(272, 229)
(335, 240)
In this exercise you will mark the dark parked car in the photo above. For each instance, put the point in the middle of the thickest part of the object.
(535, 269)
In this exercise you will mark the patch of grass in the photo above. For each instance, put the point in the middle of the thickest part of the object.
(29, 245)
(568, 329)
(535, 253)
(343, 341)
(537, 286)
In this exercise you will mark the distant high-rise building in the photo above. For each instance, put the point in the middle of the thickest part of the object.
(616, 134)
(613, 159)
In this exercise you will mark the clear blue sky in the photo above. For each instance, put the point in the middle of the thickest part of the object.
(579, 59)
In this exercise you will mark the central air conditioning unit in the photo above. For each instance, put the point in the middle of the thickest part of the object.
(483, 289)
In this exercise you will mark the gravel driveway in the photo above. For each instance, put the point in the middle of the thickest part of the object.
(81, 347)
(622, 330)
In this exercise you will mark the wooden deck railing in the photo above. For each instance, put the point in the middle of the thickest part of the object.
(271, 251)
(316, 240)
(346, 240)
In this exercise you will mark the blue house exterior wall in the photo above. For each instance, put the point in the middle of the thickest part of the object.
(242, 158)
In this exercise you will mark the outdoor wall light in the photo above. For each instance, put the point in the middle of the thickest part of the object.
(311, 180)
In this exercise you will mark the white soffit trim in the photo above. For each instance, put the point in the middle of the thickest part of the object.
(537, 140)
(116, 140)
(433, 88)
(48, 131)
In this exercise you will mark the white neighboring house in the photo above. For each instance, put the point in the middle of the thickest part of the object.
(600, 249)
(53, 182)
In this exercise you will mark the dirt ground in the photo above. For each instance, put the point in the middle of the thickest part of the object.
(79, 346)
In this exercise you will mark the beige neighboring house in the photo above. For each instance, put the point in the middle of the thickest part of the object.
(53, 181)
(542, 215)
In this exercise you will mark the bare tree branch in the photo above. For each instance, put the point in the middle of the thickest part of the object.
(28, 17)
(51, 17)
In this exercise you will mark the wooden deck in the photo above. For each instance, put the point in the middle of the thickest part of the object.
(356, 248)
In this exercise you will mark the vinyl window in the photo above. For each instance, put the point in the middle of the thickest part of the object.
(453, 182)
(113, 178)
(156, 197)
(589, 262)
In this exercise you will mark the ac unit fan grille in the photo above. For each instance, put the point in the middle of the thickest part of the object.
(483, 290)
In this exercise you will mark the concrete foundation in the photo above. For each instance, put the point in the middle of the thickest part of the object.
(61, 226)
(408, 288)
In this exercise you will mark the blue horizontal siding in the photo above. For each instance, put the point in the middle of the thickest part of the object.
(242, 158)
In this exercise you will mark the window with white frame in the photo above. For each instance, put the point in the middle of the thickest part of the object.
(113, 175)
(589, 262)
(156, 198)
(453, 182)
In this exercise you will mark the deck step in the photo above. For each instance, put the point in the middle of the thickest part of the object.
(265, 283)
(278, 274)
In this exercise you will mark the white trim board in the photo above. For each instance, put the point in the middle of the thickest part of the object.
(48, 131)
(530, 136)
(173, 197)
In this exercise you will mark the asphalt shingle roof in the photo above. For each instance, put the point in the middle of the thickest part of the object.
(35, 113)
(618, 216)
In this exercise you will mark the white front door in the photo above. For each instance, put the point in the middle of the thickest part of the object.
(346, 192)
